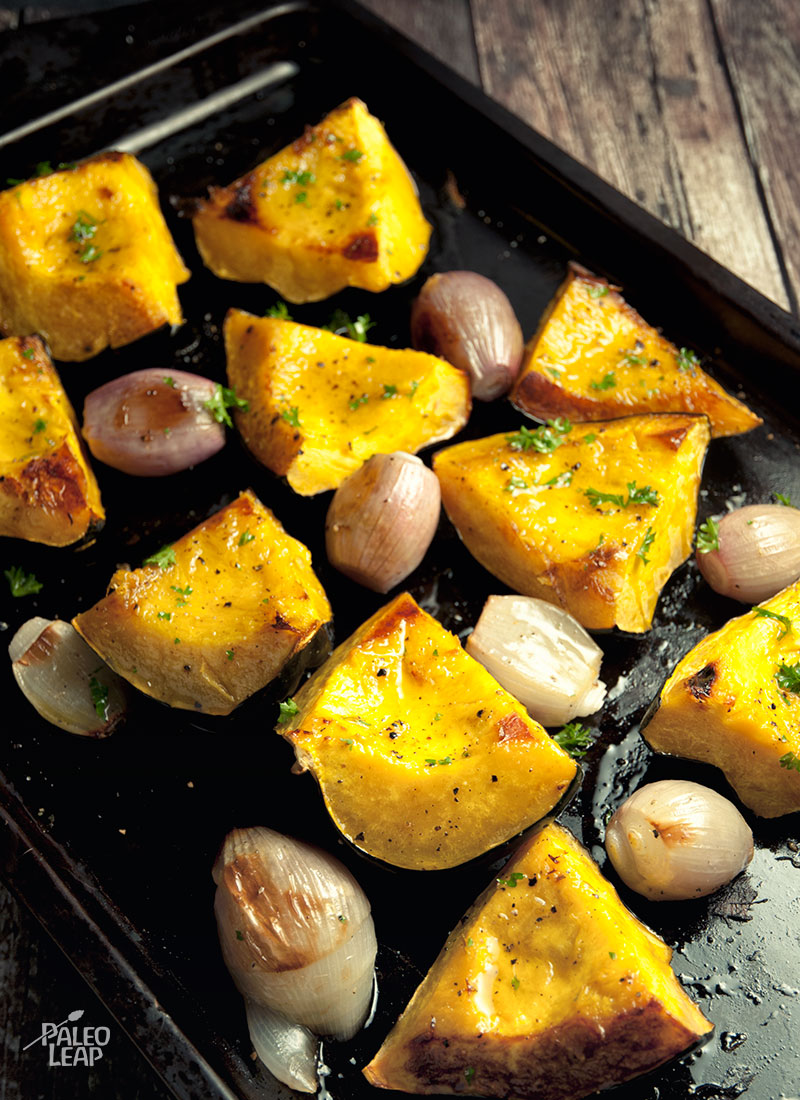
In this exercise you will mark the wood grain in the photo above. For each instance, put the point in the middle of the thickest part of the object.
(761, 44)
(635, 90)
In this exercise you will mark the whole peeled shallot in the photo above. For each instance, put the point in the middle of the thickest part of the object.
(465, 318)
(673, 840)
(298, 939)
(382, 519)
(156, 422)
(751, 553)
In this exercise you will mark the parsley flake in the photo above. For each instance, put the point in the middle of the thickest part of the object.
(355, 402)
(607, 382)
(28, 353)
(342, 325)
(168, 380)
(223, 399)
(708, 536)
(388, 392)
(515, 483)
(163, 558)
(292, 416)
(785, 622)
(99, 694)
(39, 426)
(644, 495)
(22, 583)
(515, 982)
(687, 360)
(512, 879)
(647, 542)
(352, 155)
(469, 1073)
(789, 760)
(90, 254)
(575, 739)
(288, 710)
(782, 498)
(788, 678)
(560, 481)
(84, 227)
(245, 537)
(229, 654)
(543, 439)
(279, 310)
(165, 615)
(239, 934)
(598, 291)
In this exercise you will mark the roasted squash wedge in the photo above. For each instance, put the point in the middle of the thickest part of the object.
(734, 701)
(592, 517)
(548, 989)
(335, 208)
(594, 357)
(424, 761)
(212, 619)
(86, 258)
(320, 404)
(48, 492)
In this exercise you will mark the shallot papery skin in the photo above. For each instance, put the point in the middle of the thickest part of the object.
(673, 840)
(298, 939)
(382, 520)
(152, 422)
(758, 555)
(65, 680)
(467, 319)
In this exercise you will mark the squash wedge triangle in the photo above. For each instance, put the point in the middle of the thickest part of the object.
(319, 405)
(592, 517)
(424, 761)
(733, 701)
(547, 988)
(594, 357)
(335, 208)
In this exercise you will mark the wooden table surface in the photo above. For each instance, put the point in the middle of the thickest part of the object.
(687, 106)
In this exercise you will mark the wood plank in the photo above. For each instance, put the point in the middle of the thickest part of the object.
(635, 90)
(762, 47)
(443, 29)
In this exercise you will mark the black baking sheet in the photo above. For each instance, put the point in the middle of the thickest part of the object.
(111, 842)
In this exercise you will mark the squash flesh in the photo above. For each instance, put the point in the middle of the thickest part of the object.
(424, 761)
(335, 208)
(320, 405)
(722, 705)
(82, 307)
(48, 492)
(221, 622)
(594, 357)
(549, 541)
(547, 988)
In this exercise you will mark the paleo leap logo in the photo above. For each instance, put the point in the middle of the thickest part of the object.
(72, 1046)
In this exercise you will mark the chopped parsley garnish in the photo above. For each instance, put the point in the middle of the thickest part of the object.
(708, 536)
(165, 615)
(341, 324)
(414, 388)
(90, 254)
(99, 694)
(607, 382)
(589, 438)
(515, 483)
(222, 399)
(372, 219)
(45, 168)
(515, 982)
(245, 537)
(788, 678)
(292, 416)
(352, 155)
(635, 360)
(302, 178)
(644, 495)
(437, 716)
(239, 934)
(342, 918)
(22, 583)
(39, 426)
(647, 542)
(785, 622)
(784, 499)
(288, 710)
(229, 654)
(469, 1073)
(28, 353)
(301, 196)
(187, 591)
(575, 739)
(388, 391)
(432, 762)
(84, 227)
(168, 380)
(356, 401)
(280, 310)
(789, 760)
(163, 558)
(339, 204)
(543, 439)
(347, 741)
(560, 481)
(597, 291)
(512, 879)
(687, 360)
